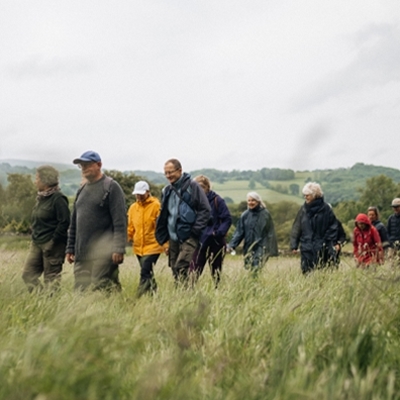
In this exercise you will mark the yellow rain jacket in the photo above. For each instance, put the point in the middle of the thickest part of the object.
(142, 226)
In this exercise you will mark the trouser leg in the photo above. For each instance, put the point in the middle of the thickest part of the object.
(105, 275)
(199, 260)
(82, 274)
(33, 267)
(180, 258)
(216, 257)
(53, 262)
(147, 281)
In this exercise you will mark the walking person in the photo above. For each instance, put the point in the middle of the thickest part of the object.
(315, 230)
(97, 234)
(185, 213)
(142, 217)
(373, 215)
(256, 228)
(212, 242)
(367, 246)
(393, 230)
(49, 223)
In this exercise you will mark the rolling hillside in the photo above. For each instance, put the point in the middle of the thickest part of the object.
(274, 185)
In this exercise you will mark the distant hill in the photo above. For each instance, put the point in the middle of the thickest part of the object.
(275, 184)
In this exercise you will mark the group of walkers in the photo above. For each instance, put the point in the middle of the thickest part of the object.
(189, 225)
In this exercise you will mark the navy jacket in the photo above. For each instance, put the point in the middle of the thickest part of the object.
(221, 219)
(393, 228)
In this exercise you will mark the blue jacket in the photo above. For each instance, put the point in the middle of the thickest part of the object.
(198, 203)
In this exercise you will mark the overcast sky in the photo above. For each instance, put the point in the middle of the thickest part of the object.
(226, 84)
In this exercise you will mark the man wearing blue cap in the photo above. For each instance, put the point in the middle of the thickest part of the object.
(97, 234)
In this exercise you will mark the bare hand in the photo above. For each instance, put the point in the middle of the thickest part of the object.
(117, 258)
(70, 257)
(295, 251)
(166, 250)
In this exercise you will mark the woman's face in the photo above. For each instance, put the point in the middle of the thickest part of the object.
(308, 198)
(372, 215)
(39, 184)
(204, 187)
(252, 203)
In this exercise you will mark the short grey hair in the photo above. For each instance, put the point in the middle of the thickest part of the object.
(314, 189)
(48, 175)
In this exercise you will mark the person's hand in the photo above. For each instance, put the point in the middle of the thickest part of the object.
(166, 251)
(295, 251)
(70, 257)
(117, 258)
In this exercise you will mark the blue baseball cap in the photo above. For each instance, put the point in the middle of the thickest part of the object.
(88, 156)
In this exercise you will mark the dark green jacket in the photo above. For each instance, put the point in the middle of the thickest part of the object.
(256, 228)
(50, 219)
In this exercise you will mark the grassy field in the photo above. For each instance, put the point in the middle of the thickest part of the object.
(331, 335)
(237, 191)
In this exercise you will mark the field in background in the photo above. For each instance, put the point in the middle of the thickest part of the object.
(237, 191)
(331, 335)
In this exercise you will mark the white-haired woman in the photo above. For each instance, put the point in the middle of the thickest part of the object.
(256, 228)
(315, 230)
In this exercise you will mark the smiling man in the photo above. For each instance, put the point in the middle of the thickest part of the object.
(185, 212)
(97, 234)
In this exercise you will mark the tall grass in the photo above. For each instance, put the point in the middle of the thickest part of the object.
(331, 335)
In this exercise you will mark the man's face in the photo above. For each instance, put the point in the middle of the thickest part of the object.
(396, 209)
(91, 170)
(171, 173)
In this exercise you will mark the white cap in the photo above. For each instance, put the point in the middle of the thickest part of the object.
(141, 187)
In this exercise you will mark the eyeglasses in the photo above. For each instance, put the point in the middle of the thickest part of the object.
(395, 206)
(168, 173)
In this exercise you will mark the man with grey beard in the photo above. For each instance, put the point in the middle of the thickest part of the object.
(97, 234)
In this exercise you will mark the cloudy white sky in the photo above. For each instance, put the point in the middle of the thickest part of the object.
(226, 84)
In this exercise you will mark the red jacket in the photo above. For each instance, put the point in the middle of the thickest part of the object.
(367, 246)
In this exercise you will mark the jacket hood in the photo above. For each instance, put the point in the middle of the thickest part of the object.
(363, 218)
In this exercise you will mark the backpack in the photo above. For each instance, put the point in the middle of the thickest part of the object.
(106, 186)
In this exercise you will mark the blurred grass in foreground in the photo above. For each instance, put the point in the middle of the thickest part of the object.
(331, 335)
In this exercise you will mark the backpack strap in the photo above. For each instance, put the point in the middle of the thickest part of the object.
(106, 186)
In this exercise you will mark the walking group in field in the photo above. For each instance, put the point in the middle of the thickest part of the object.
(189, 225)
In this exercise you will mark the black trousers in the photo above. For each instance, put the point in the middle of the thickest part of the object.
(147, 281)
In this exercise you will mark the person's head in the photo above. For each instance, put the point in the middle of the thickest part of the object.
(172, 170)
(362, 222)
(312, 191)
(46, 177)
(90, 164)
(396, 205)
(373, 213)
(141, 191)
(254, 200)
(204, 182)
